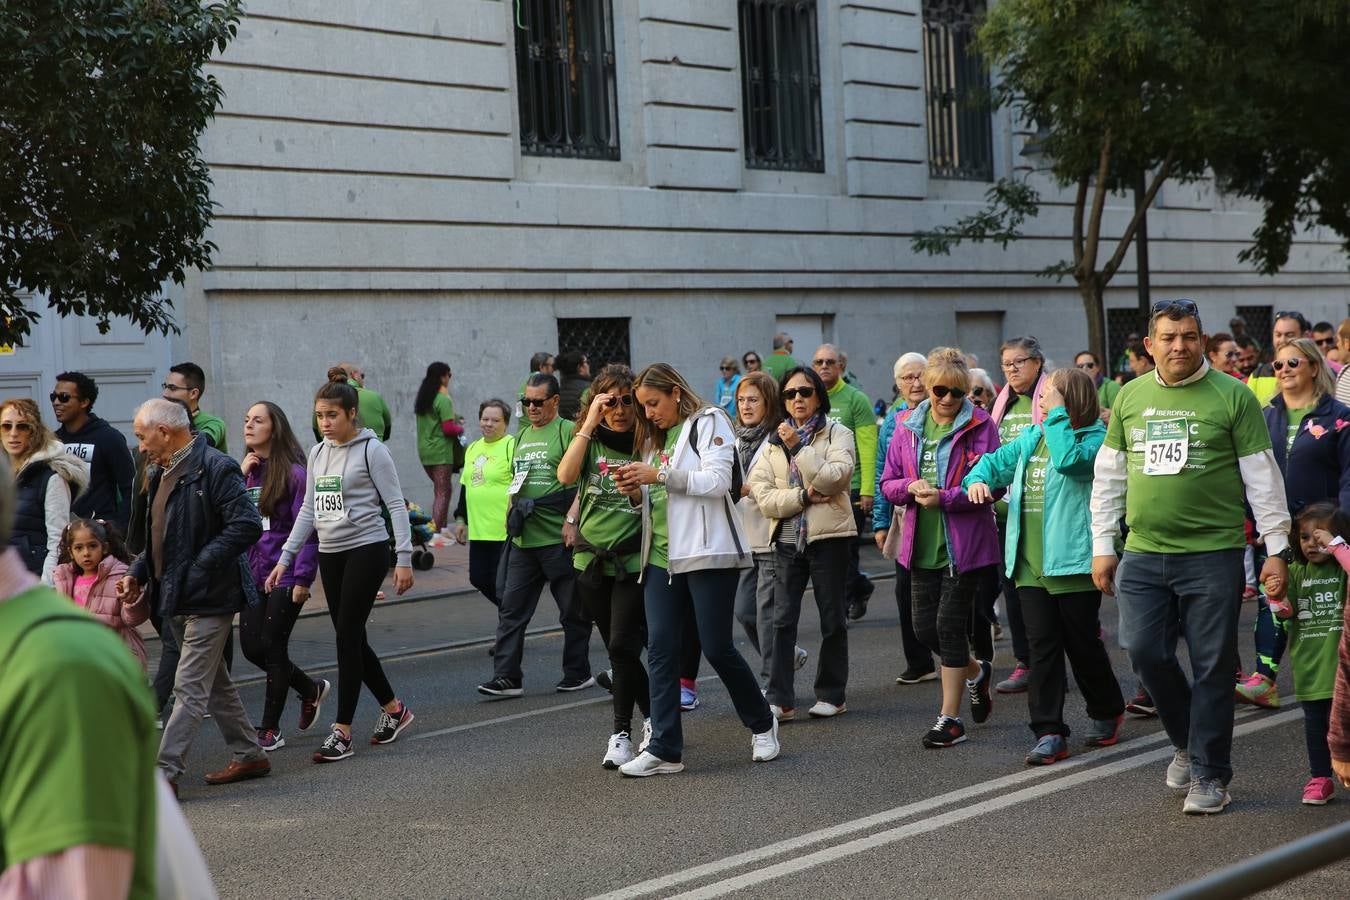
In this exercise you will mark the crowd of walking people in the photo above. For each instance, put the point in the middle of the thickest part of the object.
(1183, 479)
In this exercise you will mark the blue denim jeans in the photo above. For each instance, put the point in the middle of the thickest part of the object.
(1162, 597)
(712, 595)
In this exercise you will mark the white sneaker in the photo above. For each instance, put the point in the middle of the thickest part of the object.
(799, 658)
(764, 747)
(645, 764)
(823, 710)
(620, 751)
(646, 735)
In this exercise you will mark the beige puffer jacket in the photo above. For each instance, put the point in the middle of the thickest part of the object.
(826, 464)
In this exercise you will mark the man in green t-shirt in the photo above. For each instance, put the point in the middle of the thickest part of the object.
(851, 408)
(185, 383)
(780, 361)
(1185, 446)
(77, 749)
(536, 553)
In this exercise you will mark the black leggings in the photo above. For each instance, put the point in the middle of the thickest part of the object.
(691, 650)
(264, 637)
(351, 579)
(618, 612)
(942, 604)
(1316, 726)
(484, 557)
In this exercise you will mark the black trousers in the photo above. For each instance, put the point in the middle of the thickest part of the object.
(1060, 625)
(617, 608)
(857, 586)
(824, 563)
(484, 556)
(917, 657)
(351, 579)
(942, 604)
(264, 637)
(982, 616)
(691, 649)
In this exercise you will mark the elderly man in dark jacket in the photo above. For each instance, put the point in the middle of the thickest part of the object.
(199, 525)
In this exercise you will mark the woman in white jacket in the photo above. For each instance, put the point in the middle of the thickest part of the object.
(46, 480)
(692, 550)
(801, 483)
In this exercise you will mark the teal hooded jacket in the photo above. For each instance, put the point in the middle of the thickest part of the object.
(1068, 490)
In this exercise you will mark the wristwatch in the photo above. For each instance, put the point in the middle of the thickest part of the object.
(1287, 554)
(571, 519)
(662, 475)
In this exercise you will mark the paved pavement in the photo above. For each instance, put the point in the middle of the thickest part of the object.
(507, 798)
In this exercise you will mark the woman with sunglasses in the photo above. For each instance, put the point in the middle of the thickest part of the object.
(607, 553)
(1048, 470)
(910, 392)
(949, 543)
(730, 373)
(692, 550)
(1223, 354)
(982, 391)
(752, 362)
(1310, 433)
(801, 485)
(1088, 362)
(1016, 408)
(46, 480)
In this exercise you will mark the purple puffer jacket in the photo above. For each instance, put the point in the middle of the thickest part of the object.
(972, 535)
(263, 556)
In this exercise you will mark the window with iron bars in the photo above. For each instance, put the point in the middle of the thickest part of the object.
(568, 90)
(780, 85)
(959, 117)
(1121, 322)
(604, 341)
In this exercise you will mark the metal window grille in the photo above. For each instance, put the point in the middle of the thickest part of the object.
(1259, 322)
(568, 92)
(780, 85)
(1121, 322)
(959, 117)
(604, 341)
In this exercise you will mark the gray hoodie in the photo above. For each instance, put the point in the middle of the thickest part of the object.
(344, 486)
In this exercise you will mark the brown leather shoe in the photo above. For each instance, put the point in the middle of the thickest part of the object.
(239, 771)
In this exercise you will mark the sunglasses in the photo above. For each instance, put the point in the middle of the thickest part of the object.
(977, 392)
(941, 391)
(1325, 342)
(526, 401)
(16, 426)
(727, 368)
(1231, 354)
(805, 393)
(822, 363)
(1174, 309)
(1293, 364)
(1087, 365)
(62, 397)
(1290, 314)
(626, 400)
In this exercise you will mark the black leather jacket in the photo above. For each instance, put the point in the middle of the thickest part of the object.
(210, 524)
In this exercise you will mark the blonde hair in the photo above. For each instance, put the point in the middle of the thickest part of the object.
(946, 365)
(664, 378)
(1312, 355)
(41, 435)
(1080, 396)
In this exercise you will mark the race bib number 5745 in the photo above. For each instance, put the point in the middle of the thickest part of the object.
(1166, 446)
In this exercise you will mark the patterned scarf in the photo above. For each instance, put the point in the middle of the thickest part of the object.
(748, 439)
(807, 433)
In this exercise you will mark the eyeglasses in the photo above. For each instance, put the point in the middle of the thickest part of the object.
(62, 397)
(822, 363)
(529, 401)
(1174, 309)
(941, 391)
(626, 400)
(173, 387)
(1293, 364)
(16, 426)
(1325, 342)
(1231, 354)
(806, 393)
(1087, 365)
(910, 379)
(1014, 364)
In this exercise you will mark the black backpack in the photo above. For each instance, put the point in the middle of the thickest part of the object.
(737, 475)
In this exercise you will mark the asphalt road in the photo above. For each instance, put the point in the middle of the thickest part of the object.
(508, 798)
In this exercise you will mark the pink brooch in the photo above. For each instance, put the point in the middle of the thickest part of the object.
(1315, 430)
(1341, 423)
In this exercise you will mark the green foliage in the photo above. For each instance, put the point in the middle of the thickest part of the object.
(1011, 203)
(103, 194)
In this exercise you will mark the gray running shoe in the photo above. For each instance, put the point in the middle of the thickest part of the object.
(1179, 771)
(1207, 796)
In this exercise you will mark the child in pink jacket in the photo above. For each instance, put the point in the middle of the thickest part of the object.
(92, 561)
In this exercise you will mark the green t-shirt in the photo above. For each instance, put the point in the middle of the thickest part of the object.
(930, 537)
(659, 554)
(538, 452)
(1296, 417)
(1027, 572)
(213, 427)
(434, 448)
(1016, 417)
(485, 481)
(607, 518)
(851, 408)
(1185, 491)
(1107, 393)
(779, 364)
(84, 773)
(1317, 593)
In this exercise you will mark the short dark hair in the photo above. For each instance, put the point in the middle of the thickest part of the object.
(498, 405)
(1246, 341)
(1140, 351)
(1321, 511)
(569, 362)
(1324, 326)
(86, 386)
(543, 379)
(539, 360)
(1296, 316)
(816, 383)
(192, 374)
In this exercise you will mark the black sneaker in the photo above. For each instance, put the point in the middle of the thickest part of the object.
(388, 728)
(501, 687)
(568, 685)
(858, 608)
(335, 748)
(606, 680)
(914, 676)
(946, 732)
(1142, 705)
(981, 701)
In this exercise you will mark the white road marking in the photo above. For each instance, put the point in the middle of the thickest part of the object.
(1055, 779)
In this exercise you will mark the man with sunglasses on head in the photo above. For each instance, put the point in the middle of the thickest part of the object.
(851, 408)
(1185, 446)
(1289, 326)
(535, 552)
(99, 444)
